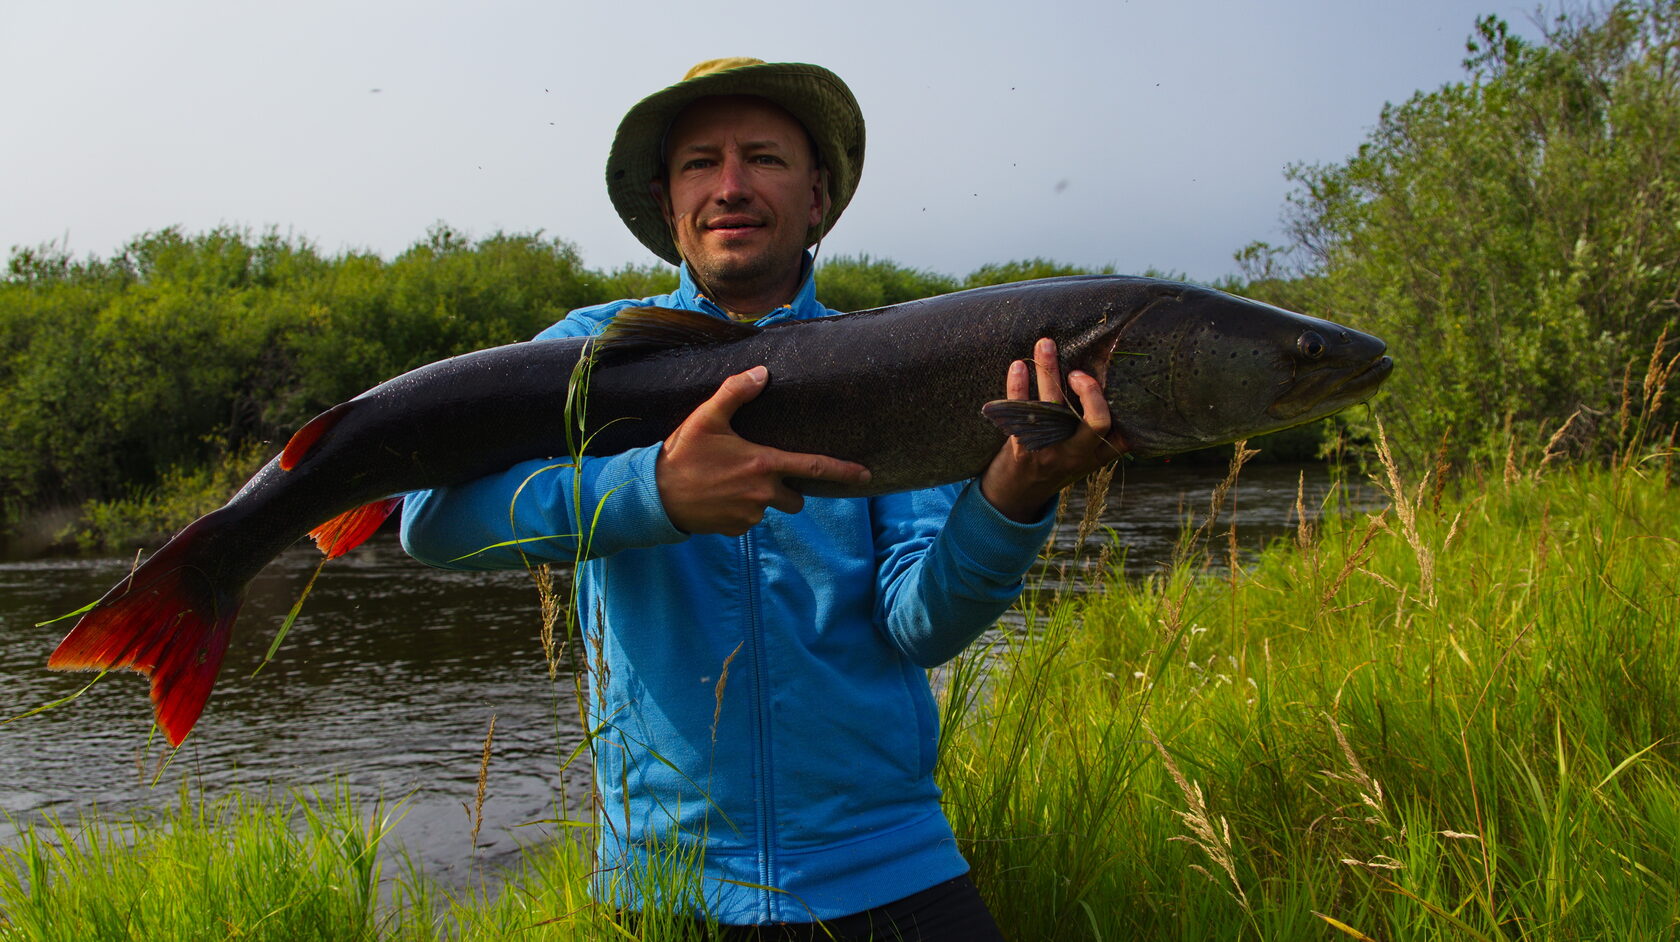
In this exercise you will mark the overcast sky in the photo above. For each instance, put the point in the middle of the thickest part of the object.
(1141, 134)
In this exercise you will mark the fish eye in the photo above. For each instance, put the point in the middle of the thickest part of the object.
(1311, 345)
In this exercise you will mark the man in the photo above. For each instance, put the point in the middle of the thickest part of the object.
(759, 690)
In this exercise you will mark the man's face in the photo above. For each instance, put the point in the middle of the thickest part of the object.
(742, 189)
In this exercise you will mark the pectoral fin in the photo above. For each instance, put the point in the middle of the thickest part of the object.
(1034, 424)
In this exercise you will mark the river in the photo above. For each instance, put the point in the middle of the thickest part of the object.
(389, 680)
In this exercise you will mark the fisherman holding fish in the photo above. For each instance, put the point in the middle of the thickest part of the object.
(759, 709)
(760, 697)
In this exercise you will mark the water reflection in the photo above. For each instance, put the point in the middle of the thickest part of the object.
(390, 677)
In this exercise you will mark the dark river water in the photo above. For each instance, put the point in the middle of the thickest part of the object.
(389, 679)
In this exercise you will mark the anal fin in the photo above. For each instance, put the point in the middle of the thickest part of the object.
(348, 530)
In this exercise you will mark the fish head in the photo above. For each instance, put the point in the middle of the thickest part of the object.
(1205, 368)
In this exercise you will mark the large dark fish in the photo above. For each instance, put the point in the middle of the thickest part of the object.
(898, 389)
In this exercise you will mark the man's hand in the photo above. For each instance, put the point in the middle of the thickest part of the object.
(714, 481)
(1020, 482)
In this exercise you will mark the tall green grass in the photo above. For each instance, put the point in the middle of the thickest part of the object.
(236, 868)
(1454, 719)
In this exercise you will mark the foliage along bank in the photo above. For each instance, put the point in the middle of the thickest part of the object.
(1514, 236)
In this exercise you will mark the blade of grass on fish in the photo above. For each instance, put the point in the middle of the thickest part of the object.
(61, 701)
(80, 611)
(291, 616)
(519, 542)
(91, 605)
(514, 500)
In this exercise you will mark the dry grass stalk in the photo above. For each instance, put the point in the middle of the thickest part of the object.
(1356, 559)
(717, 693)
(1096, 502)
(1407, 512)
(1214, 842)
(1240, 454)
(1551, 444)
(1383, 580)
(1305, 532)
(1452, 531)
(1657, 375)
(483, 781)
(1653, 387)
(1443, 465)
(1370, 790)
(549, 607)
(1105, 558)
(1350, 606)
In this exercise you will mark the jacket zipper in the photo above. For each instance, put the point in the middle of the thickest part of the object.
(761, 728)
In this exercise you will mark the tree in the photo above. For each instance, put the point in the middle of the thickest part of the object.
(1511, 235)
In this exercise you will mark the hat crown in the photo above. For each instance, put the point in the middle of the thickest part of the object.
(719, 65)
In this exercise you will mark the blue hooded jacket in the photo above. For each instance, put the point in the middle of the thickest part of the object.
(761, 702)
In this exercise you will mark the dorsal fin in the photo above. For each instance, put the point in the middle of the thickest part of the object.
(639, 330)
(304, 440)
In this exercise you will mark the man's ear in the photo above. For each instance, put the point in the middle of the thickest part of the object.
(657, 188)
(819, 197)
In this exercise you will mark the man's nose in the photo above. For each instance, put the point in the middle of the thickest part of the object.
(733, 186)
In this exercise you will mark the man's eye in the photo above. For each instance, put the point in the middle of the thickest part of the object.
(698, 163)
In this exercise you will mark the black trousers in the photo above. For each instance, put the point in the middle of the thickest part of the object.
(947, 912)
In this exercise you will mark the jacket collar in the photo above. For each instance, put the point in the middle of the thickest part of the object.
(803, 306)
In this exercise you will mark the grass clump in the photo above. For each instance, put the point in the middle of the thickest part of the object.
(238, 868)
(305, 868)
(1455, 718)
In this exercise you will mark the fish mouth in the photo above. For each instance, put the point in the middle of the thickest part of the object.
(1329, 390)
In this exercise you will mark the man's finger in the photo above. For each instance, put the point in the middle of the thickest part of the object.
(1015, 385)
(818, 467)
(1092, 404)
(1049, 371)
(732, 394)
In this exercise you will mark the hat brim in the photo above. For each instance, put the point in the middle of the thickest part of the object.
(812, 94)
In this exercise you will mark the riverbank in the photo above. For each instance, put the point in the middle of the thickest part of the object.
(1453, 718)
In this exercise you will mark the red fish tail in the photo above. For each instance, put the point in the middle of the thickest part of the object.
(167, 620)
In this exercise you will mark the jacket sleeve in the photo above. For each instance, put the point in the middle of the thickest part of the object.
(949, 565)
(541, 510)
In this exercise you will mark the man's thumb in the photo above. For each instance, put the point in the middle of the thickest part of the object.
(737, 391)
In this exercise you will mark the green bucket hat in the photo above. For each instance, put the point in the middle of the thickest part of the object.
(812, 94)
